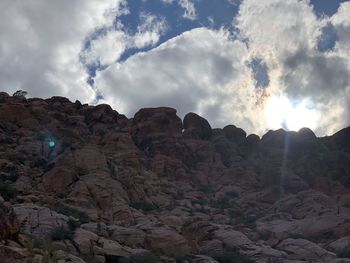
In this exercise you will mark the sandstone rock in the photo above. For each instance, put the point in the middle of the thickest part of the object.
(235, 134)
(340, 246)
(59, 179)
(4, 95)
(203, 259)
(341, 138)
(64, 257)
(38, 221)
(110, 248)
(196, 127)
(99, 229)
(101, 113)
(197, 230)
(231, 238)
(12, 254)
(213, 248)
(154, 128)
(85, 241)
(302, 249)
(127, 236)
(166, 241)
(253, 139)
(9, 226)
(146, 183)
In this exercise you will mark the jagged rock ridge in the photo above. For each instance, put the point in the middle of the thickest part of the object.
(84, 183)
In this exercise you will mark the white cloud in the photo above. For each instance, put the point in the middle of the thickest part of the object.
(190, 10)
(149, 31)
(284, 35)
(341, 23)
(106, 48)
(201, 70)
(188, 6)
(207, 72)
(168, 1)
(40, 42)
(278, 26)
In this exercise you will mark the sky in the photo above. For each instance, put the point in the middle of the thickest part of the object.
(256, 64)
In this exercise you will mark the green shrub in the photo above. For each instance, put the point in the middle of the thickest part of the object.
(233, 256)
(344, 253)
(9, 173)
(145, 206)
(73, 224)
(7, 191)
(20, 94)
(222, 203)
(147, 257)
(61, 233)
(69, 211)
(179, 195)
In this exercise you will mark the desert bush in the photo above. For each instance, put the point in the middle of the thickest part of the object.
(233, 256)
(142, 258)
(20, 93)
(7, 191)
(70, 211)
(345, 253)
(144, 206)
(222, 203)
(61, 233)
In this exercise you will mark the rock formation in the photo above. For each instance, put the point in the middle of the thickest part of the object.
(83, 183)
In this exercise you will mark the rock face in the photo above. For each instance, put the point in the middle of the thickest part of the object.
(99, 187)
(196, 127)
(9, 227)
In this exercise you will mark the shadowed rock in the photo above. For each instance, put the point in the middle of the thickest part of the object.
(196, 127)
(235, 134)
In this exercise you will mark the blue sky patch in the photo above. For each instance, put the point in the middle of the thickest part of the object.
(260, 73)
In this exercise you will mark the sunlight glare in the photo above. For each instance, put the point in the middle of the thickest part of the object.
(280, 112)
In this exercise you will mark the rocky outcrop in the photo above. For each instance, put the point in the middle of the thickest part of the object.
(196, 127)
(98, 186)
(9, 226)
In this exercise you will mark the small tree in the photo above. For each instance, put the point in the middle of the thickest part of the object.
(20, 93)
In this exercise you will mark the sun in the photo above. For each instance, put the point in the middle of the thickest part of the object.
(281, 112)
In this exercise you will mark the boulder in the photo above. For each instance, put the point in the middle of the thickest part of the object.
(234, 134)
(13, 254)
(196, 127)
(85, 241)
(127, 236)
(38, 221)
(9, 226)
(301, 249)
(231, 238)
(340, 245)
(165, 241)
(158, 130)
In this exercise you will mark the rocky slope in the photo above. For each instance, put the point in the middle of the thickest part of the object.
(85, 184)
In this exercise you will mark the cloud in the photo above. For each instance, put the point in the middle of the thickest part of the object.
(190, 10)
(201, 70)
(149, 31)
(209, 72)
(48, 48)
(286, 35)
(107, 47)
(40, 42)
